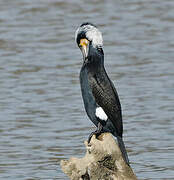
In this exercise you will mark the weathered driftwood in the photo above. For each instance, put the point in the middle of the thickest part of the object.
(103, 161)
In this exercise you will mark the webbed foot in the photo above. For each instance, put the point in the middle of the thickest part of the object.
(97, 132)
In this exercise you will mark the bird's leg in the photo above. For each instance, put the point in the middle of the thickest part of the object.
(97, 132)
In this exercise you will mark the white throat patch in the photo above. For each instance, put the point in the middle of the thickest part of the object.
(101, 114)
(92, 33)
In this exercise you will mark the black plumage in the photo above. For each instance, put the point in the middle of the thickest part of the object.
(98, 91)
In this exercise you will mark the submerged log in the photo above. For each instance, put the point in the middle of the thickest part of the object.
(103, 161)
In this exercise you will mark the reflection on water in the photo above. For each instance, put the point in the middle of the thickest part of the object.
(41, 110)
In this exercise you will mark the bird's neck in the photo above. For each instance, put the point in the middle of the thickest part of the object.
(95, 64)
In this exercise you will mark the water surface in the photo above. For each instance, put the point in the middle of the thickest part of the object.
(41, 110)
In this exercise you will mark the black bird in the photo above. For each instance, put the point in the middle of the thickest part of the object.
(100, 97)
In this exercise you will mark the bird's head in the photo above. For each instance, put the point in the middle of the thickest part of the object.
(89, 40)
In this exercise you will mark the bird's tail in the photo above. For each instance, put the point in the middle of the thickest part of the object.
(123, 149)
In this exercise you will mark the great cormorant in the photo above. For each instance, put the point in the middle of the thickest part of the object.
(100, 97)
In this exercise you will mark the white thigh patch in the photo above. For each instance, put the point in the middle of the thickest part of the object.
(101, 114)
